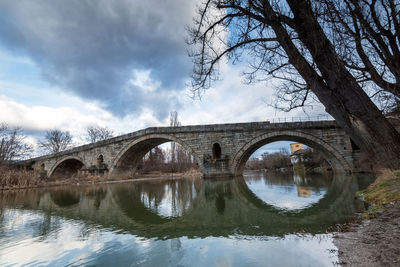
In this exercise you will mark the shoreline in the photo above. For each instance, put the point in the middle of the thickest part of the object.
(370, 242)
(374, 240)
(95, 180)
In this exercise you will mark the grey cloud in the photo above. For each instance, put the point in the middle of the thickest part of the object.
(90, 47)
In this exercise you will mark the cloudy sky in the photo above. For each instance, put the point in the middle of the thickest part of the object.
(121, 64)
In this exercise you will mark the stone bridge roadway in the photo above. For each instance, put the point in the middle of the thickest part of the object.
(219, 150)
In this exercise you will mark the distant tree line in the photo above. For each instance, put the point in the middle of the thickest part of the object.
(270, 161)
(310, 158)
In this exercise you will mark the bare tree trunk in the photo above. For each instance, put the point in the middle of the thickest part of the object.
(307, 49)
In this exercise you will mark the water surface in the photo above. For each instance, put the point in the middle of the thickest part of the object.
(256, 220)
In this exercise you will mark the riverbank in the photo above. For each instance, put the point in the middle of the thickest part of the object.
(376, 240)
(14, 179)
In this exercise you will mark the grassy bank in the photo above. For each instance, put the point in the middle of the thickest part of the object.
(376, 242)
(383, 193)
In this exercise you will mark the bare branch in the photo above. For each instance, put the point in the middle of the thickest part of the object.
(12, 144)
(97, 133)
(56, 141)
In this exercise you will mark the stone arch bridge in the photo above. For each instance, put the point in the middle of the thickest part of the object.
(219, 149)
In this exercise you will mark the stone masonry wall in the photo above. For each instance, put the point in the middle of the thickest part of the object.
(235, 140)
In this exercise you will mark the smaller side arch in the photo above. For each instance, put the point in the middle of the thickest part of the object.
(334, 157)
(75, 161)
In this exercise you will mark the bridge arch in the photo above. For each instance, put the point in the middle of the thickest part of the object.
(128, 158)
(332, 155)
(67, 166)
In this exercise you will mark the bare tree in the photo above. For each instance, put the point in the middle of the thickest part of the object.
(286, 40)
(271, 161)
(12, 144)
(154, 160)
(366, 35)
(56, 141)
(97, 133)
(173, 122)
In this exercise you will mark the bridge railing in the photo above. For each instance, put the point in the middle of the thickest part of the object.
(299, 119)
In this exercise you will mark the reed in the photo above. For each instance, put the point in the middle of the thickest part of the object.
(11, 178)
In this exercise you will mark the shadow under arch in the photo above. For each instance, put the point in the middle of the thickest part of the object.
(128, 158)
(66, 167)
(128, 198)
(331, 155)
(65, 197)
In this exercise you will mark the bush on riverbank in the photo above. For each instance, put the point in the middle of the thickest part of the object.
(382, 193)
(11, 178)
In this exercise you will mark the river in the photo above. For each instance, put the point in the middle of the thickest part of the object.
(258, 219)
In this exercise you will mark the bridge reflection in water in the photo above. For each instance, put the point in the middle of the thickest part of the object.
(247, 221)
(256, 204)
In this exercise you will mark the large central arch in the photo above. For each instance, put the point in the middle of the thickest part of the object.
(334, 158)
(128, 158)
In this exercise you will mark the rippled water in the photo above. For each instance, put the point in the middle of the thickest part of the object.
(256, 220)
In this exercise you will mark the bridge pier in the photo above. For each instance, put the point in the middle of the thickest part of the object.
(213, 168)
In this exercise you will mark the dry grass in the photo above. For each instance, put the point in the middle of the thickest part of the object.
(17, 179)
(75, 180)
(11, 179)
(383, 192)
(189, 174)
(192, 174)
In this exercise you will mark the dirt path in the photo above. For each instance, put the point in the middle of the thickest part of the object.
(375, 242)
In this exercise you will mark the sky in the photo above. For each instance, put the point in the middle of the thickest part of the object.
(117, 64)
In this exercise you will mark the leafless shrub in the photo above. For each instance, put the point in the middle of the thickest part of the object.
(97, 133)
(11, 178)
(270, 161)
(12, 144)
(56, 141)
